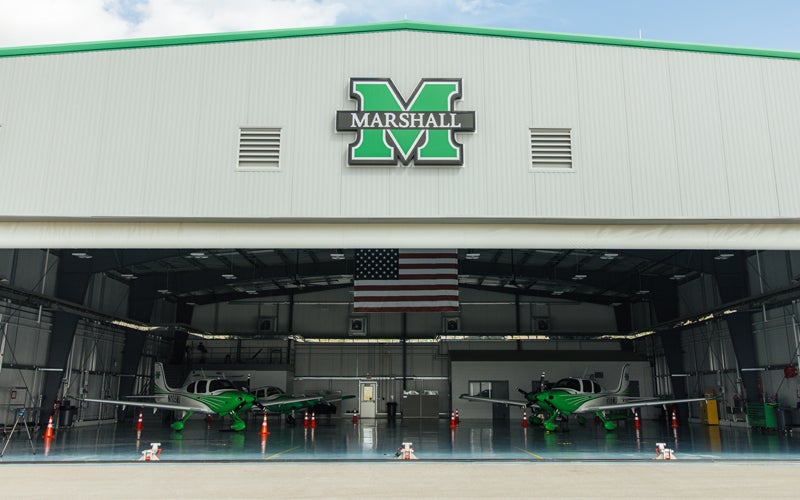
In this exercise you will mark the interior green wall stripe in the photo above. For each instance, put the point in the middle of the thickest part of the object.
(384, 27)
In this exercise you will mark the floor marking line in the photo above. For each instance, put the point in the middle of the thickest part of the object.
(529, 453)
(281, 453)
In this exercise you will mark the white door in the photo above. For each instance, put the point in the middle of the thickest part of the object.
(367, 404)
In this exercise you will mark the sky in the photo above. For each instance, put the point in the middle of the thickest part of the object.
(765, 24)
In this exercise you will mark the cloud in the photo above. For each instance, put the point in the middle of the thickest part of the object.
(30, 22)
(33, 22)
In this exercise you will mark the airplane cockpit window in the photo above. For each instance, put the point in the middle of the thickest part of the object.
(220, 384)
(569, 383)
(271, 391)
(201, 386)
(596, 387)
(190, 387)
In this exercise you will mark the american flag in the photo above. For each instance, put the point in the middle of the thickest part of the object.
(391, 280)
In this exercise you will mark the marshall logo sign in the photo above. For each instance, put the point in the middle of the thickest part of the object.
(390, 129)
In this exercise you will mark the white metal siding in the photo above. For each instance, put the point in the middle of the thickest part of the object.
(152, 132)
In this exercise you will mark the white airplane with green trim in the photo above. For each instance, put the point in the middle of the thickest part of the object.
(212, 396)
(580, 396)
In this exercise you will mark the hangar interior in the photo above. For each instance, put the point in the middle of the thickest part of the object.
(91, 323)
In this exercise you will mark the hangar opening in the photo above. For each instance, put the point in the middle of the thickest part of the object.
(85, 325)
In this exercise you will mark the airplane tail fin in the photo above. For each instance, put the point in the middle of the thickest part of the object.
(160, 379)
(624, 381)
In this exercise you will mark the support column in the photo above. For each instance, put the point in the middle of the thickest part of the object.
(732, 284)
(72, 281)
(140, 307)
(665, 302)
(183, 315)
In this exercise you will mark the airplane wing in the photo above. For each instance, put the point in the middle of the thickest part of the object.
(636, 404)
(510, 402)
(326, 399)
(143, 404)
(280, 402)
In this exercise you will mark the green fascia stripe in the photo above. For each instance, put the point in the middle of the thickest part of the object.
(386, 27)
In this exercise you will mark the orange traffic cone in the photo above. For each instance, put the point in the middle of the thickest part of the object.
(636, 423)
(524, 419)
(674, 419)
(139, 424)
(355, 416)
(452, 419)
(48, 434)
(458, 420)
(313, 420)
(264, 428)
(305, 421)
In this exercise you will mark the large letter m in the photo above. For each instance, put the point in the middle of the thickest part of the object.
(391, 129)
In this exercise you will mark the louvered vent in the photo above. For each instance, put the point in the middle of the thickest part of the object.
(259, 148)
(551, 148)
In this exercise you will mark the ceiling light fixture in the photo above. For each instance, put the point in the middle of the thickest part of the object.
(229, 276)
(579, 277)
(337, 256)
(472, 256)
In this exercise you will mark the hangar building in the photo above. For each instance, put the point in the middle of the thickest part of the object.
(608, 202)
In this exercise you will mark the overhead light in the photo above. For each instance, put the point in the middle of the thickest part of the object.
(472, 256)
(642, 292)
(337, 256)
(250, 292)
(128, 276)
(723, 256)
(558, 292)
(3, 280)
(579, 277)
(677, 277)
(679, 375)
(752, 369)
(81, 255)
(163, 291)
(609, 256)
(198, 255)
(191, 303)
(229, 276)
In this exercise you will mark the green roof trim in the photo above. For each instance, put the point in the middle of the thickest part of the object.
(386, 27)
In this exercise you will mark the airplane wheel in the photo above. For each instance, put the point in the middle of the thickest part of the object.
(610, 426)
(550, 426)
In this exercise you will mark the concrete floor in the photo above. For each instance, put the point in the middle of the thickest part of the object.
(339, 459)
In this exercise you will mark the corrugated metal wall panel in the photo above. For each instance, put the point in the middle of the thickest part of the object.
(554, 96)
(745, 133)
(604, 168)
(502, 155)
(782, 102)
(153, 132)
(702, 176)
(651, 134)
